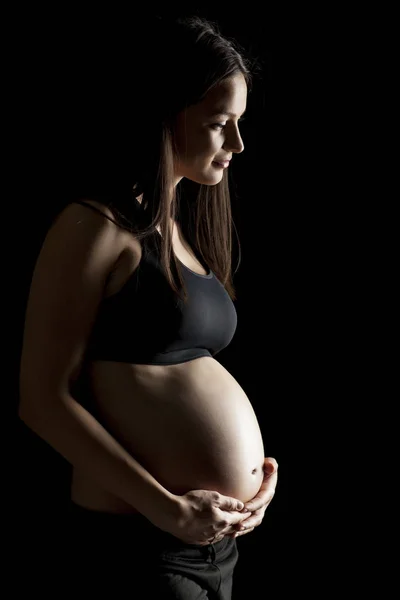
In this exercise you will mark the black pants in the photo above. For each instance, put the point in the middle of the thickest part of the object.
(126, 556)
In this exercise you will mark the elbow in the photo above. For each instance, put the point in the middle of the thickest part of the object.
(26, 401)
(25, 411)
(33, 405)
(40, 398)
(23, 404)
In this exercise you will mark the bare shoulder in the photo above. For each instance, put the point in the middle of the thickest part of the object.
(76, 260)
(87, 211)
(127, 249)
(91, 215)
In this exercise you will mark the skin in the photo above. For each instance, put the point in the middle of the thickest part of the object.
(203, 134)
(259, 504)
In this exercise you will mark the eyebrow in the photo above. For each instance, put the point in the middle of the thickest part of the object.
(219, 113)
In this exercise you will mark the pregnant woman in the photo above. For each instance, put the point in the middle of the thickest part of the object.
(130, 301)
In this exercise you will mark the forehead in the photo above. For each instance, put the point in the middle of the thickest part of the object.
(228, 95)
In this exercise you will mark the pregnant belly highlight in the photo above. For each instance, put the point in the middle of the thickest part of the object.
(190, 425)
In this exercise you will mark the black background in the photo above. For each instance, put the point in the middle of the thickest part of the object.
(275, 348)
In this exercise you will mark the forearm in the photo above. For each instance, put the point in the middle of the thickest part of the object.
(73, 432)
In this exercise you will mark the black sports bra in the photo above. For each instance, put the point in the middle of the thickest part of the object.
(145, 323)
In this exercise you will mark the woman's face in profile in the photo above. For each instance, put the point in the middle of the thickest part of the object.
(204, 134)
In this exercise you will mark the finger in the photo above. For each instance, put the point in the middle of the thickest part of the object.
(261, 501)
(231, 519)
(265, 493)
(270, 465)
(235, 518)
(250, 524)
(228, 503)
(240, 533)
(233, 527)
(254, 520)
(245, 532)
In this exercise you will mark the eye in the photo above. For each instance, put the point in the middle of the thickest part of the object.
(222, 125)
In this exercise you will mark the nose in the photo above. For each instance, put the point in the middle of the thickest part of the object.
(234, 143)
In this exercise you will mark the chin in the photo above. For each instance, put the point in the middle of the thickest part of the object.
(211, 181)
(206, 179)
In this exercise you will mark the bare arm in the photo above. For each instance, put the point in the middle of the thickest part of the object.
(68, 283)
(73, 432)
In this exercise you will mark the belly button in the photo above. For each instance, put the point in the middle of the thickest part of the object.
(254, 471)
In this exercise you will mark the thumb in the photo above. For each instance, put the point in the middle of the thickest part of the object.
(227, 503)
(270, 465)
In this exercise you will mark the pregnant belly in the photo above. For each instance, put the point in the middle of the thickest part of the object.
(190, 425)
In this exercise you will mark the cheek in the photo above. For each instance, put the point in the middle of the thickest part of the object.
(205, 146)
(197, 147)
(197, 165)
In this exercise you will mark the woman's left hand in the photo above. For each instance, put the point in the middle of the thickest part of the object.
(259, 504)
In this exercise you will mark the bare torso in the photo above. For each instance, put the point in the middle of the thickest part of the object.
(190, 425)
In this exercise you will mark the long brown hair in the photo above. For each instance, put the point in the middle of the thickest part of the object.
(184, 59)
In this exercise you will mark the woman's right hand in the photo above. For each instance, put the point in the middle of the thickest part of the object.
(205, 516)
